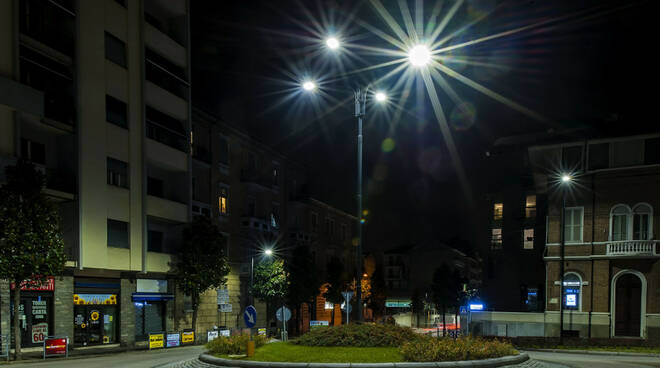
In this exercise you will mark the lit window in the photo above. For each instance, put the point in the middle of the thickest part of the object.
(530, 206)
(498, 211)
(222, 201)
(496, 238)
(329, 305)
(528, 239)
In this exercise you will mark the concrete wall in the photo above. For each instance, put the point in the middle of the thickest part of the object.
(63, 306)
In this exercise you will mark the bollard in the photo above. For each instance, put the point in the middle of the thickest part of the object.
(250, 348)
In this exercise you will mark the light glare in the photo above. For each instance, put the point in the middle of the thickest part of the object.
(381, 96)
(566, 178)
(309, 86)
(332, 43)
(268, 252)
(419, 55)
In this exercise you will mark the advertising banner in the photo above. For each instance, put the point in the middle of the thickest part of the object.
(315, 324)
(211, 335)
(39, 332)
(188, 337)
(173, 340)
(55, 346)
(156, 341)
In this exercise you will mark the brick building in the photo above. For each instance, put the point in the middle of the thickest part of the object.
(611, 264)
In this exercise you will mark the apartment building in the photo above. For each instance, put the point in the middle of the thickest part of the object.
(96, 94)
(611, 262)
(512, 232)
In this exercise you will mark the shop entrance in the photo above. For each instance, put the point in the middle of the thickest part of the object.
(95, 319)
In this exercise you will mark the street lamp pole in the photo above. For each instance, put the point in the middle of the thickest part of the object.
(565, 180)
(252, 280)
(360, 107)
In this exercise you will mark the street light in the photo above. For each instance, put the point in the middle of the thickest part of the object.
(268, 252)
(419, 55)
(566, 180)
(332, 43)
(380, 96)
(309, 86)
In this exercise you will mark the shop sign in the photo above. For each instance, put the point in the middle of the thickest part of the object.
(47, 284)
(173, 340)
(106, 299)
(156, 341)
(188, 337)
(315, 324)
(211, 335)
(39, 332)
(39, 309)
(55, 346)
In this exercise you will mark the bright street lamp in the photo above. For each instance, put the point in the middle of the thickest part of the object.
(419, 55)
(380, 96)
(566, 178)
(268, 252)
(309, 86)
(332, 43)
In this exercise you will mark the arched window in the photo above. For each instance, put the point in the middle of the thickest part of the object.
(642, 222)
(572, 291)
(620, 222)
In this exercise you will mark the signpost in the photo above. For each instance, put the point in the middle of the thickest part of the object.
(347, 297)
(56, 346)
(250, 316)
(283, 314)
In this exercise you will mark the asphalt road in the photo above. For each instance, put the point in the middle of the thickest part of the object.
(594, 360)
(133, 359)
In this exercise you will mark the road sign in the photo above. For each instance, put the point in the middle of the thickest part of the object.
(347, 306)
(250, 316)
(283, 310)
(347, 295)
(225, 308)
(223, 296)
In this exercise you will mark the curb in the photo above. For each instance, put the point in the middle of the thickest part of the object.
(493, 362)
(594, 352)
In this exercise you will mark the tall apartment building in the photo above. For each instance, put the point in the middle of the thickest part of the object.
(611, 262)
(96, 94)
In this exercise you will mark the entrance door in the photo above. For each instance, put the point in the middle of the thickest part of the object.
(94, 324)
(628, 306)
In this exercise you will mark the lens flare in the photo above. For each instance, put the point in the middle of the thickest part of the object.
(380, 96)
(419, 55)
(332, 43)
(309, 86)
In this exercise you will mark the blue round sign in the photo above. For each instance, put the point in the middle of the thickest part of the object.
(250, 316)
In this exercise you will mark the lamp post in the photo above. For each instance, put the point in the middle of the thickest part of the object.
(566, 179)
(268, 252)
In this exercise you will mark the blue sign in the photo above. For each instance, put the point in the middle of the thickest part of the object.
(250, 316)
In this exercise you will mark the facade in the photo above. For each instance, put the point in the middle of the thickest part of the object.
(512, 223)
(96, 94)
(611, 262)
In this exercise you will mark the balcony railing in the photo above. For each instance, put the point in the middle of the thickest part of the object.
(632, 248)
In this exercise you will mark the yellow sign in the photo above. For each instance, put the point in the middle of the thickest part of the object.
(82, 299)
(156, 341)
(188, 337)
(94, 316)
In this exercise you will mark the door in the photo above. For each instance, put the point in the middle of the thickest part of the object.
(628, 306)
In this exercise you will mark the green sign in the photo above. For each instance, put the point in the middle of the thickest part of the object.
(397, 303)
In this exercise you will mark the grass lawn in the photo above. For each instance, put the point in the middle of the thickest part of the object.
(623, 349)
(286, 352)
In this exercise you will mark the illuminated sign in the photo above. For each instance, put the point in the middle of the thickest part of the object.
(476, 307)
(397, 303)
(571, 300)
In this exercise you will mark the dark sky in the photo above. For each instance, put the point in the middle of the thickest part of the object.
(588, 63)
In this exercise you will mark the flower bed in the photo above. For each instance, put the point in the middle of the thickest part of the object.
(358, 335)
(432, 349)
(234, 345)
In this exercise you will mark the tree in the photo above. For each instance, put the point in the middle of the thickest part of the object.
(304, 279)
(378, 292)
(30, 240)
(416, 305)
(271, 281)
(337, 281)
(200, 263)
(441, 293)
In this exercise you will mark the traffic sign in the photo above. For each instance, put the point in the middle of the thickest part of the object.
(250, 316)
(283, 310)
(345, 306)
(347, 295)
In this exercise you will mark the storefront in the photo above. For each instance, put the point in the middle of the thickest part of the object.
(150, 303)
(95, 312)
(35, 311)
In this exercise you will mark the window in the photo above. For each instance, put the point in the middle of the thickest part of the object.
(117, 173)
(619, 222)
(223, 150)
(627, 153)
(115, 50)
(166, 129)
(275, 216)
(222, 201)
(118, 234)
(276, 175)
(528, 239)
(154, 187)
(532, 300)
(599, 156)
(496, 238)
(572, 291)
(155, 241)
(573, 225)
(571, 158)
(498, 211)
(116, 112)
(315, 221)
(530, 206)
(33, 151)
(642, 215)
(329, 305)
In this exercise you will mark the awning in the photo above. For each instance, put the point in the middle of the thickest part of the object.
(151, 297)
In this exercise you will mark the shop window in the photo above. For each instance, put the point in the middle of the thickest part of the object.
(95, 319)
(35, 316)
(149, 318)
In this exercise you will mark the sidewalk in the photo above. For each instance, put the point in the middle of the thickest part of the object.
(593, 352)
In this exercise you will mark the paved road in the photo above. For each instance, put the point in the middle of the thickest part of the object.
(594, 360)
(134, 359)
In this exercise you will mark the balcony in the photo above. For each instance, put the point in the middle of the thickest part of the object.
(167, 209)
(632, 248)
(49, 23)
(257, 224)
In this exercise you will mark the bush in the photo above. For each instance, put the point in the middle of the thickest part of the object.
(358, 335)
(432, 349)
(234, 345)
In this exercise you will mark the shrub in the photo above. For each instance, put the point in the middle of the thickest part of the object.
(358, 335)
(234, 345)
(432, 349)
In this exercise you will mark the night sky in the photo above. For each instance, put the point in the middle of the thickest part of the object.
(584, 64)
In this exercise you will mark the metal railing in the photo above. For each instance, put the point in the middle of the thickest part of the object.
(631, 248)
